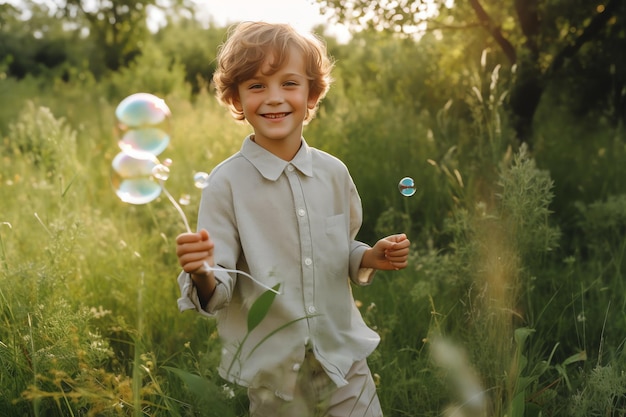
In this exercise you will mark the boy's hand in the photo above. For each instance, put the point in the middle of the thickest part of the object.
(195, 252)
(389, 253)
(195, 255)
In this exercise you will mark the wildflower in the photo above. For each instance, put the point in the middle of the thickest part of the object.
(228, 391)
(376, 379)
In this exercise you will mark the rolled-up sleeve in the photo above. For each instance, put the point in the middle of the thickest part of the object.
(216, 215)
(358, 274)
(189, 299)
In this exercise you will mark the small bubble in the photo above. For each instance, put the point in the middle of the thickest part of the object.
(407, 186)
(161, 172)
(184, 199)
(201, 180)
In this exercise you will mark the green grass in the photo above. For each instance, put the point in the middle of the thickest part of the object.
(495, 299)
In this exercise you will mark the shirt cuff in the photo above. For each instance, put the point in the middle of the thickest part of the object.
(365, 276)
(358, 274)
(189, 299)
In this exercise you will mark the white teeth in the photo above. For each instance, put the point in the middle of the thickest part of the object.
(275, 115)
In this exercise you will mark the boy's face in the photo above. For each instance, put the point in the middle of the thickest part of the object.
(276, 104)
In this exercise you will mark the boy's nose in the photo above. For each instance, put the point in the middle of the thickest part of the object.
(274, 96)
(275, 99)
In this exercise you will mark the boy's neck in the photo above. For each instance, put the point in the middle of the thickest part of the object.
(283, 149)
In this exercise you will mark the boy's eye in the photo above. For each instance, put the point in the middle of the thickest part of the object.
(255, 86)
(290, 83)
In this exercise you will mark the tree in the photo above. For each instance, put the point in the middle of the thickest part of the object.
(115, 29)
(198, 57)
(37, 45)
(539, 39)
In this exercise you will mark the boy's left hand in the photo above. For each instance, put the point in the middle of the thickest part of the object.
(389, 253)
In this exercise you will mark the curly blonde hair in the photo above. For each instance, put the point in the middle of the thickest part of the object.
(247, 47)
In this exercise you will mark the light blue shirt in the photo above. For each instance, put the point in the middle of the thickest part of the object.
(294, 224)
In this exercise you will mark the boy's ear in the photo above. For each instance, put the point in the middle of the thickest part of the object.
(237, 104)
(312, 101)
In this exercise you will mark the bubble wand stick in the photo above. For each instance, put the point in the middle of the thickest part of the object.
(143, 126)
(161, 173)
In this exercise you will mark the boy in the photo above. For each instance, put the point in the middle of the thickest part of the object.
(287, 214)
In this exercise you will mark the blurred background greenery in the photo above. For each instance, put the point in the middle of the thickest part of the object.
(508, 115)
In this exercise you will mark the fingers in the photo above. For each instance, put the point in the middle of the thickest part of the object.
(397, 238)
(194, 250)
(398, 260)
(194, 261)
(397, 254)
(396, 243)
(192, 237)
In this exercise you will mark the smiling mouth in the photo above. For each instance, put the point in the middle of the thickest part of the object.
(275, 115)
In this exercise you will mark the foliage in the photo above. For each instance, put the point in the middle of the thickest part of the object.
(39, 46)
(517, 257)
(116, 29)
(604, 394)
(151, 72)
(197, 57)
(603, 224)
(541, 39)
(45, 141)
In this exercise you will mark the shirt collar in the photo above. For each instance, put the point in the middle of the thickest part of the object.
(271, 166)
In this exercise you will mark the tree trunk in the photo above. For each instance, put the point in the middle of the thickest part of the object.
(524, 99)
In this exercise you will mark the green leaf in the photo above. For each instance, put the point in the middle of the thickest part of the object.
(198, 385)
(577, 357)
(261, 306)
(521, 334)
(208, 395)
(518, 404)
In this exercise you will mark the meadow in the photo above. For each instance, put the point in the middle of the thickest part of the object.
(513, 303)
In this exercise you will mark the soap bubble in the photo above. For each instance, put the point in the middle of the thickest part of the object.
(184, 200)
(201, 180)
(133, 180)
(407, 186)
(142, 109)
(161, 172)
(143, 124)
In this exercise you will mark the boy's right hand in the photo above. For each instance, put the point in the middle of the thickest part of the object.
(195, 252)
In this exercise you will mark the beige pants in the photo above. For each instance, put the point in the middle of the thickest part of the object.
(317, 396)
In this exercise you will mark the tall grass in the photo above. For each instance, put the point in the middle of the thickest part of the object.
(506, 308)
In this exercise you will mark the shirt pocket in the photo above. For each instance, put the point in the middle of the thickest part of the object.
(336, 242)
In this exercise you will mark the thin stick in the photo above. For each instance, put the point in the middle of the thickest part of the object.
(207, 266)
(176, 205)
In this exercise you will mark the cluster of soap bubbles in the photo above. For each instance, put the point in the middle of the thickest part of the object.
(143, 132)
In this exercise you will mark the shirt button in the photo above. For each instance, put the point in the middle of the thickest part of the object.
(290, 168)
(308, 261)
(301, 212)
(312, 310)
(296, 367)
